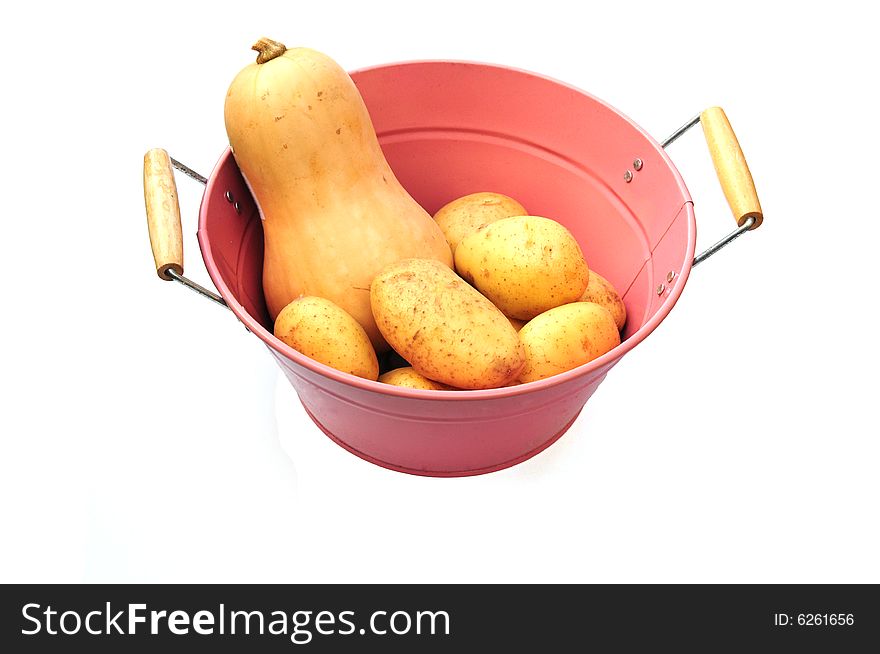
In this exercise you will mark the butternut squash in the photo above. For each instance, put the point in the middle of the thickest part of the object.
(333, 212)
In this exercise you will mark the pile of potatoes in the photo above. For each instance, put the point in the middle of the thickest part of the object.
(521, 305)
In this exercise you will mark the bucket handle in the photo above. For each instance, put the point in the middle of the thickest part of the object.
(163, 219)
(732, 171)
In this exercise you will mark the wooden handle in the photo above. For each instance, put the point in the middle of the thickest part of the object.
(163, 213)
(731, 167)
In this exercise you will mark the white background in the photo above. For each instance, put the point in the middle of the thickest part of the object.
(147, 437)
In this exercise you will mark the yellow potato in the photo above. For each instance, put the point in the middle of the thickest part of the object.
(409, 378)
(525, 265)
(566, 337)
(326, 333)
(600, 291)
(445, 329)
(467, 214)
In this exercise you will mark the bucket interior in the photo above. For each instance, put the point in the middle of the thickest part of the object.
(449, 129)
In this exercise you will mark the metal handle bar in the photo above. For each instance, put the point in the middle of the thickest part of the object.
(733, 173)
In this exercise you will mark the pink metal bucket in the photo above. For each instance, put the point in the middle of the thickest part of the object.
(449, 129)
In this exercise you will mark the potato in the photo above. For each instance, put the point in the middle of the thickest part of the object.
(326, 333)
(525, 265)
(446, 330)
(467, 214)
(409, 378)
(566, 337)
(600, 291)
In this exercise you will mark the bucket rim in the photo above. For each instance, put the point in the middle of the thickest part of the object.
(606, 361)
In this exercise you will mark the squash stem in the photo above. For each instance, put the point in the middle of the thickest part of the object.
(268, 50)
